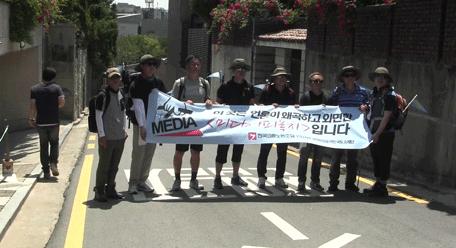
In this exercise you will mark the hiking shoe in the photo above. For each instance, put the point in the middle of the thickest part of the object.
(46, 175)
(144, 187)
(316, 186)
(333, 188)
(302, 187)
(261, 182)
(238, 181)
(351, 187)
(176, 185)
(54, 169)
(377, 190)
(133, 189)
(218, 183)
(280, 183)
(195, 185)
(112, 193)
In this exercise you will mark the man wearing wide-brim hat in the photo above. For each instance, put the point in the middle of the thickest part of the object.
(381, 123)
(348, 94)
(277, 93)
(236, 91)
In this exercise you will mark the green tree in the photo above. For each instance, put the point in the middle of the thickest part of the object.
(131, 48)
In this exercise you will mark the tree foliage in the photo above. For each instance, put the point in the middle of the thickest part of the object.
(131, 48)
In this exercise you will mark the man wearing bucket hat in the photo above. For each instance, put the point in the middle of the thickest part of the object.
(111, 124)
(347, 94)
(142, 153)
(380, 120)
(236, 91)
(277, 93)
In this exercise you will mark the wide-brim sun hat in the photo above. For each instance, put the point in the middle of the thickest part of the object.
(279, 71)
(239, 64)
(381, 71)
(349, 68)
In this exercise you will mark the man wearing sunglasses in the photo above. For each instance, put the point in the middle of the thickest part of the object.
(348, 94)
(143, 153)
(313, 97)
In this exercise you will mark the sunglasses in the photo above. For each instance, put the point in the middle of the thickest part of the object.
(151, 64)
(349, 75)
(316, 81)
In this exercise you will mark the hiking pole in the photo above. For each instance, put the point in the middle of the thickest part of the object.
(410, 103)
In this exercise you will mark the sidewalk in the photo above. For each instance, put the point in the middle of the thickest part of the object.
(14, 189)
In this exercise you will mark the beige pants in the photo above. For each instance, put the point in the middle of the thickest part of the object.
(141, 159)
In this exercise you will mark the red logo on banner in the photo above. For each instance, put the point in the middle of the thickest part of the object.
(252, 136)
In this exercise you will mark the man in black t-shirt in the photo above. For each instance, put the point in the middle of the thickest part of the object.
(277, 93)
(313, 97)
(45, 100)
(143, 153)
(237, 91)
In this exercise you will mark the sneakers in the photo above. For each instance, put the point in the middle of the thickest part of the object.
(333, 188)
(144, 187)
(112, 193)
(238, 181)
(316, 186)
(351, 187)
(302, 186)
(377, 190)
(46, 175)
(262, 182)
(218, 183)
(280, 183)
(132, 189)
(176, 185)
(54, 169)
(195, 185)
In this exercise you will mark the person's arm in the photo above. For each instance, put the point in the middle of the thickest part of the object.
(220, 95)
(32, 113)
(61, 98)
(140, 112)
(385, 120)
(365, 106)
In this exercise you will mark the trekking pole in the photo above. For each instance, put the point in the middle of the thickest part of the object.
(410, 103)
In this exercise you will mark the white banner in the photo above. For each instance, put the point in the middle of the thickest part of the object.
(172, 121)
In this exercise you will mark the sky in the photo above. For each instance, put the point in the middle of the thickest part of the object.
(142, 3)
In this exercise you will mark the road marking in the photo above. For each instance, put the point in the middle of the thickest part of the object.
(371, 182)
(75, 232)
(90, 146)
(284, 226)
(238, 189)
(340, 241)
(249, 246)
(92, 137)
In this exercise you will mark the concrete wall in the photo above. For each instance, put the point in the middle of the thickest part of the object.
(425, 150)
(127, 29)
(157, 27)
(4, 27)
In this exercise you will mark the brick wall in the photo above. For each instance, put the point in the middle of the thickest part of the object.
(449, 47)
(373, 31)
(315, 41)
(417, 30)
(338, 41)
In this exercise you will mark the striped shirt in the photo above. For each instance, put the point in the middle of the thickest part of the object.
(344, 98)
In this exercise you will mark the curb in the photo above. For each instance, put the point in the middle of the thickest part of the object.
(13, 206)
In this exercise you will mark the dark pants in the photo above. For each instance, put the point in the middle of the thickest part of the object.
(352, 166)
(49, 137)
(304, 155)
(281, 160)
(222, 153)
(381, 153)
(108, 164)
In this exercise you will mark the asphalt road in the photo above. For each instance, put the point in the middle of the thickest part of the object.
(239, 217)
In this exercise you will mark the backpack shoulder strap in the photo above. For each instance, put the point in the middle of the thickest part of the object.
(205, 85)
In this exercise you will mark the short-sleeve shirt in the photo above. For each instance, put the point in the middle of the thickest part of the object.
(195, 90)
(46, 96)
(141, 88)
(271, 95)
(233, 93)
(344, 98)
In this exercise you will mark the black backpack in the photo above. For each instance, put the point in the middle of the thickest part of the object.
(92, 109)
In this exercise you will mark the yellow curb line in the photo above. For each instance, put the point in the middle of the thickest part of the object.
(75, 232)
(371, 182)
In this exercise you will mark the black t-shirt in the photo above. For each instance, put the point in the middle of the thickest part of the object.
(271, 95)
(141, 88)
(311, 99)
(232, 93)
(46, 96)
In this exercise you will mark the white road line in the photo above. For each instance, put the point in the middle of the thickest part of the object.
(340, 241)
(284, 226)
(249, 246)
(270, 187)
(222, 173)
(187, 172)
(270, 169)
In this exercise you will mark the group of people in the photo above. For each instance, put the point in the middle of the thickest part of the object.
(113, 105)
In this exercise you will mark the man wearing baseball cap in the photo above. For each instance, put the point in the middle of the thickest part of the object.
(111, 123)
